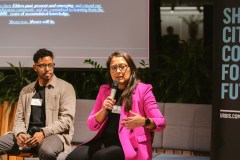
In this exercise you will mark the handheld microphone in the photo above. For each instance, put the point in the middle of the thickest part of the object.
(113, 91)
(31, 132)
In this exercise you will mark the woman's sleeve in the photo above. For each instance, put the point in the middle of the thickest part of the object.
(92, 123)
(152, 110)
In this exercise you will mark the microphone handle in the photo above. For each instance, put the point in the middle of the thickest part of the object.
(113, 93)
(108, 111)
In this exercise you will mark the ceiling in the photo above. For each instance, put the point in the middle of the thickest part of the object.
(165, 3)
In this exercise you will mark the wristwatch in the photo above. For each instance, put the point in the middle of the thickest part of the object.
(147, 122)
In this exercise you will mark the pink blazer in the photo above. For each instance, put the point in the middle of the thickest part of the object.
(136, 143)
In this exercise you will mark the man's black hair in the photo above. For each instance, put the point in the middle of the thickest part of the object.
(43, 52)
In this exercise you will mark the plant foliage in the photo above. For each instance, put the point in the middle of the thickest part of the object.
(12, 82)
(87, 82)
(186, 77)
(192, 19)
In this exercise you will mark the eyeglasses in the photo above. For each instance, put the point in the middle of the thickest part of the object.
(44, 66)
(121, 67)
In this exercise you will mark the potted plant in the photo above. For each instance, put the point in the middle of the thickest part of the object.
(11, 83)
(186, 78)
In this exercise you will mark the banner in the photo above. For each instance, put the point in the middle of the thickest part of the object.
(226, 81)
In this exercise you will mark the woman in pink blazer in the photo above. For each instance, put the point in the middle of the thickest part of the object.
(126, 120)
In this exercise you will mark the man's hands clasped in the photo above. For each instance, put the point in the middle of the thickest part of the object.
(23, 140)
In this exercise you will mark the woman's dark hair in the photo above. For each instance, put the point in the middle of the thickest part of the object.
(42, 53)
(132, 83)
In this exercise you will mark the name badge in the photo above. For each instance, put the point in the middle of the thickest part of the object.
(116, 109)
(36, 102)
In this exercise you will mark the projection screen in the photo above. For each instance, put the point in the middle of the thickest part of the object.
(74, 30)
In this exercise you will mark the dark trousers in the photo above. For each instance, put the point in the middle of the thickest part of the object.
(96, 150)
(48, 149)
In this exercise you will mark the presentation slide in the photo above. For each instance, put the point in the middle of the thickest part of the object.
(74, 30)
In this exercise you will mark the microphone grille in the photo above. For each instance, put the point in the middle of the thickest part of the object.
(115, 84)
